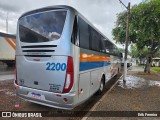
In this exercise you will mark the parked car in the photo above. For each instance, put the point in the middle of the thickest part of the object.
(128, 64)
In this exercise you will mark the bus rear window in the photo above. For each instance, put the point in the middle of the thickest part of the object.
(42, 27)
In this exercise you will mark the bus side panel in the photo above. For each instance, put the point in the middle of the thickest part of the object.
(95, 80)
(84, 78)
(84, 86)
(75, 54)
(115, 63)
(107, 73)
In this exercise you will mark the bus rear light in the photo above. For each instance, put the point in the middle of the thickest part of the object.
(69, 76)
(68, 80)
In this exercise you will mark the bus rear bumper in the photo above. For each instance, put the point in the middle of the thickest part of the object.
(56, 100)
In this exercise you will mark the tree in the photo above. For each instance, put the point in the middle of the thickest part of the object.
(135, 53)
(157, 53)
(144, 28)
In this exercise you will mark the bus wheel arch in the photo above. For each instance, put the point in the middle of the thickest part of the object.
(102, 84)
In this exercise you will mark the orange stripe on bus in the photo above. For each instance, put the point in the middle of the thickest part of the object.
(93, 58)
(11, 44)
(114, 68)
(14, 40)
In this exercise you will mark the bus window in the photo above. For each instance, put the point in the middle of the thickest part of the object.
(83, 34)
(102, 46)
(42, 27)
(75, 33)
(109, 47)
(95, 40)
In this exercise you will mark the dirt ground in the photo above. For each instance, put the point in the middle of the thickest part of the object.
(139, 73)
(151, 76)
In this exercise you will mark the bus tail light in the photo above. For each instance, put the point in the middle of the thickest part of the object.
(69, 76)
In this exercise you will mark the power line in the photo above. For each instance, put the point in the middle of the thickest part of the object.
(123, 4)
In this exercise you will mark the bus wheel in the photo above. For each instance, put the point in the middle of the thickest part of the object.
(101, 87)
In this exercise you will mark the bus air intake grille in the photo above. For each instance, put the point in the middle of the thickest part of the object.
(38, 50)
(39, 46)
(37, 55)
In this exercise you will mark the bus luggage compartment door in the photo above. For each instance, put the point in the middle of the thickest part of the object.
(84, 86)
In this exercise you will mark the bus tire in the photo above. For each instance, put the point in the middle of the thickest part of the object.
(101, 87)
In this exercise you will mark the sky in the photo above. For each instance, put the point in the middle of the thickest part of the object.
(101, 13)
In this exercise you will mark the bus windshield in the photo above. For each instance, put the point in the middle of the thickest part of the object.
(42, 27)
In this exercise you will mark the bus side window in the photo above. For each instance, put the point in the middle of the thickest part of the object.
(74, 38)
(108, 47)
(102, 45)
(95, 40)
(83, 33)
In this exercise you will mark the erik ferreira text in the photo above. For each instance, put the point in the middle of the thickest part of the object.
(147, 114)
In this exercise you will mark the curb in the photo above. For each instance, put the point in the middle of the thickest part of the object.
(94, 107)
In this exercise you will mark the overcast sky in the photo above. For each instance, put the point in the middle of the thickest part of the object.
(102, 13)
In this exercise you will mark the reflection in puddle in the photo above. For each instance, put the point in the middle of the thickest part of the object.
(137, 82)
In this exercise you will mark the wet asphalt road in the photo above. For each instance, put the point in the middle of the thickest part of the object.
(10, 102)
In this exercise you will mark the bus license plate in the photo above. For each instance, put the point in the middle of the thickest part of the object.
(36, 96)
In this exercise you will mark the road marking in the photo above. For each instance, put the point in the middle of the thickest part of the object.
(105, 95)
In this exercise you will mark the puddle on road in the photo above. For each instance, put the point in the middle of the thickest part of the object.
(10, 93)
(133, 82)
(7, 92)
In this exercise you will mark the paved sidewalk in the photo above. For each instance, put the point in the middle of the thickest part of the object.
(6, 77)
(136, 68)
(137, 94)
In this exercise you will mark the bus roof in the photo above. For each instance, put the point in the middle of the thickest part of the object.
(64, 7)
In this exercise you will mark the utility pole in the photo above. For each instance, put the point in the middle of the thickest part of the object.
(126, 40)
(7, 23)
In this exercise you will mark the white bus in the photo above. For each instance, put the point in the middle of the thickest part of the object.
(61, 58)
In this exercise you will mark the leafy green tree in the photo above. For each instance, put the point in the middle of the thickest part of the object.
(134, 51)
(144, 28)
(138, 54)
(157, 53)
